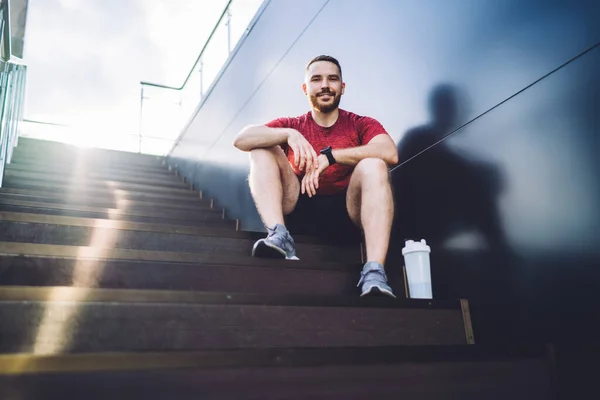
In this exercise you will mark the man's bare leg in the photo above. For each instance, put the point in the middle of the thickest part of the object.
(371, 205)
(273, 184)
(275, 189)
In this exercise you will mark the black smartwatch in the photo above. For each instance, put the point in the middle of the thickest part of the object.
(327, 151)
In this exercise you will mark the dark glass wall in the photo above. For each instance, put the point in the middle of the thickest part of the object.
(495, 109)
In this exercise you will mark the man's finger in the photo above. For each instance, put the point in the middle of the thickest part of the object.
(309, 157)
(316, 181)
(296, 154)
(308, 178)
(301, 163)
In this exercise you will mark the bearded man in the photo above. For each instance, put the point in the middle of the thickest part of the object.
(346, 185)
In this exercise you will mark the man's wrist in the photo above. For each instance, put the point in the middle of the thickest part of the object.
(322, 158)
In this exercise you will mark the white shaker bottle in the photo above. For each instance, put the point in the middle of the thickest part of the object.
(418, 269)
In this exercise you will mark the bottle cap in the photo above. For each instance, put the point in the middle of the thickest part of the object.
(411, 246)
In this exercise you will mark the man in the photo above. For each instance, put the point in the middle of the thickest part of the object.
(350, 173)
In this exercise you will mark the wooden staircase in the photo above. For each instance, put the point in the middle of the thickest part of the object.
(119, 280)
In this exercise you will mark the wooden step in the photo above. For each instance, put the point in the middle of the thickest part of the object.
(106, 202)
(86, 155)
(216, 273)
(44, 146)
(73, 231)
(202, 217)
(96, 178)
(72, 320)
(28, 363)
(409, 373)
(43, 188)
(75, 164)
(107, 186)
(67, 169)
(102, 255)
(100, 198)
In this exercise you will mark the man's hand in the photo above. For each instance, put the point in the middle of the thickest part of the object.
(310, 182)
(305, 156)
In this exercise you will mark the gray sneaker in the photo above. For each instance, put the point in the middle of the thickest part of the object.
(374, 280)
(278, 244)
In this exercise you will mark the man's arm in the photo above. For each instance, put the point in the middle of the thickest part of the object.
(381, 146)
(260, 136)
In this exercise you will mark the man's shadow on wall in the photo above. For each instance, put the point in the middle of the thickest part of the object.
(440, 193)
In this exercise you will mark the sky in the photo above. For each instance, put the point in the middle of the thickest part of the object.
(86, 59)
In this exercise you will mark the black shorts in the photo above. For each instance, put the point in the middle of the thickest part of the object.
(323, 216)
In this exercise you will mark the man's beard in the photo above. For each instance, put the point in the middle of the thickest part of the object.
(325, 108)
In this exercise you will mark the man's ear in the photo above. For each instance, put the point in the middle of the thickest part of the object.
(304, 88)
(343, 87)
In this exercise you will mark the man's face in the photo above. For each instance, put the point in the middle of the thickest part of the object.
(323, 86)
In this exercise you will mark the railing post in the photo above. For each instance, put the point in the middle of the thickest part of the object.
(141, 118)
(200, 70)
(228, 23)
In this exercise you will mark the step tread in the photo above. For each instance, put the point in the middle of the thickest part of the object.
(21, 364)
(162, 174)
(198, 276)
(76, 198)
(143, 226)
(45, 144)
(74, 320)
(100, 184)
(162, 213)
(61, 294)
(189, 196)
(108, 224)
(50, 151)
(19, 158)
(97, 253)
(171, 182)
(197, 220)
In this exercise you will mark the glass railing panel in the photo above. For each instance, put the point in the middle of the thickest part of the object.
(165, 110)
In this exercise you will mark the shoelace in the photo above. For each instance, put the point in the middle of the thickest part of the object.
(364, 274)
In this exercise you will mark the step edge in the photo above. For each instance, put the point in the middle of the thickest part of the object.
(88, 253)
(91, 209)
(151, 227)
(26, 363)
(77, 295)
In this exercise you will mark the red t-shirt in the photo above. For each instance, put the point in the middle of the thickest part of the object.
(350, 130)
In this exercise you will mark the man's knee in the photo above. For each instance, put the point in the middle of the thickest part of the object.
(262, 153)
(372, 168)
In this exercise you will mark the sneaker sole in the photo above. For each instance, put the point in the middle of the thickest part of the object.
(262, 249)
(374, 289)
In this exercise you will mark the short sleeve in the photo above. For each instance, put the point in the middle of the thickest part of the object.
(283, 122)
(368, 128)
(279, 123)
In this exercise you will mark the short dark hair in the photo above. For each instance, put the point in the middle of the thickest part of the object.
(325, 58)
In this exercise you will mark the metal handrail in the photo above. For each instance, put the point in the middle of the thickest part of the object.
(158, 85)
